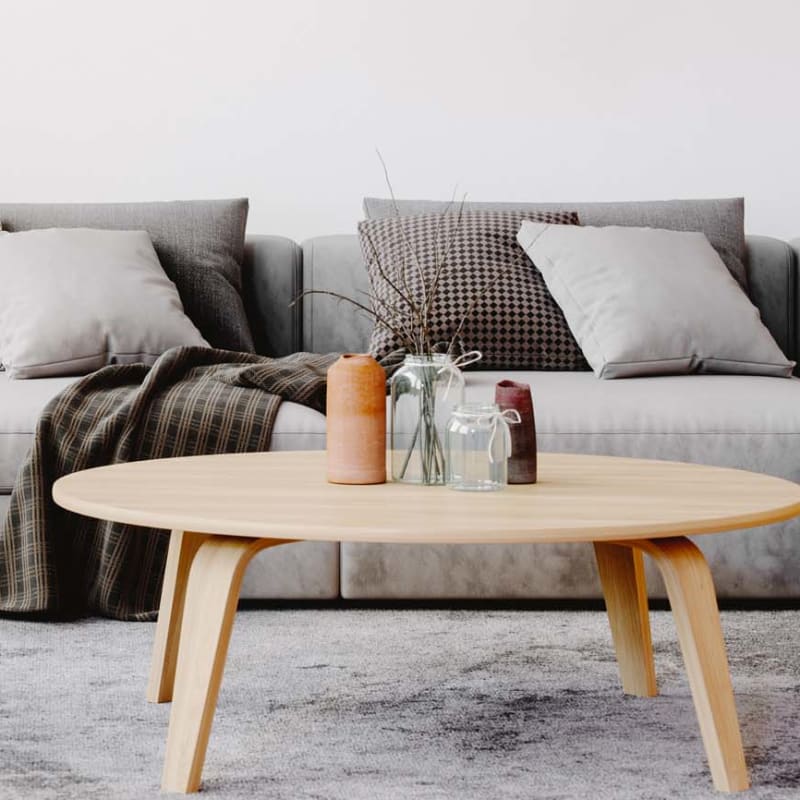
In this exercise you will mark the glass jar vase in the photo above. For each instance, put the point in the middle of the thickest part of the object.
(424, 391)
(477, 445)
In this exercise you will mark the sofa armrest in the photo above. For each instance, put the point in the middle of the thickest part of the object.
(795, 245)
(772, 280)
(272, 277)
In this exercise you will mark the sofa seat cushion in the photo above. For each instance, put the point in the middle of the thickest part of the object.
(298, 428)
(21, 402)
(739, 421)
(729, 420)
(742, 421)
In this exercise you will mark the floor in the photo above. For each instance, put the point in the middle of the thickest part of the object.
(357, 704)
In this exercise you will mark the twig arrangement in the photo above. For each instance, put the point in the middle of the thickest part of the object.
(404, 309)
(402, 299)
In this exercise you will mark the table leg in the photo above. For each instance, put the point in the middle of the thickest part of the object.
(182, 548)
(694, 605)
(622, 576)
(211, 597)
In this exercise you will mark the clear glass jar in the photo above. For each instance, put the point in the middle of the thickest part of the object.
(425, 390)
(478, 444)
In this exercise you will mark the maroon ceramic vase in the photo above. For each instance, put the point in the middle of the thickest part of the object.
(522, 463)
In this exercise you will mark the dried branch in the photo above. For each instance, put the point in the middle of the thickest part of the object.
(396, 303)
(403, 234)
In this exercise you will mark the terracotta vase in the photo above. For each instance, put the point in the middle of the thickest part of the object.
(522, 463)
(356, 410)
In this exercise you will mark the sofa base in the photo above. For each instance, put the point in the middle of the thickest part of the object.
(560, 571)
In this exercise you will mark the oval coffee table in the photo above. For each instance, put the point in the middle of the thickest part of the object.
(223, 509)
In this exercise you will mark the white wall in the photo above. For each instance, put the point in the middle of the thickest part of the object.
(285, 102)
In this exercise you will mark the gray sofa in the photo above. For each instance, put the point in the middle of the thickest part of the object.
(737, 421)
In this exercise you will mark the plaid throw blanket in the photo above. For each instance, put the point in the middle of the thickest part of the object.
(191, 401)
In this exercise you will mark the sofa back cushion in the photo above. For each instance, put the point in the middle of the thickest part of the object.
(200, 244)
(721, 220)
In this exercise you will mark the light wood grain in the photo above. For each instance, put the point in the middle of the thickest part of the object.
(214, 582)
(182, 548)
(577, 498)
(622, 576)
(694, 606)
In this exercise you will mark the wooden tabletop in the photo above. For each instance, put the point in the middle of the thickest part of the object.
(285, 495)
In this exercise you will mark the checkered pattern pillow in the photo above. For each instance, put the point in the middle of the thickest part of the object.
(511, 317)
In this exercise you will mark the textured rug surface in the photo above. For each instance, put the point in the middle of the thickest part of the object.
(366, 704)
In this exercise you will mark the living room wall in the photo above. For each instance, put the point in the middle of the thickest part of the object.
(285, 102)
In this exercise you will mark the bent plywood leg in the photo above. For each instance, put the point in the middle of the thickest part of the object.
(694, 606)
(622, 576)
(211, 597)
(182, 548)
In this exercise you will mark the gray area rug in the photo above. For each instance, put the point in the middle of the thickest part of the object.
(364, 704)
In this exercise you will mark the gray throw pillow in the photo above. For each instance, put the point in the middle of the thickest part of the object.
(721, 220)
(644, 301)
(75, 300)
(200, 244)
(510, 316)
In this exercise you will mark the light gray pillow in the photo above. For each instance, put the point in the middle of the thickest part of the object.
(199, 243)
(75, 300)
(720, 219)
(645, 301)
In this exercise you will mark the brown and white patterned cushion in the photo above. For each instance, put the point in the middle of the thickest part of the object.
(515, 323)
